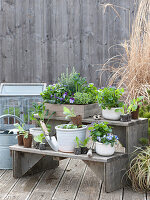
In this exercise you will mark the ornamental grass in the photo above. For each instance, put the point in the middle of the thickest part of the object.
(139, 171)
(133, 72)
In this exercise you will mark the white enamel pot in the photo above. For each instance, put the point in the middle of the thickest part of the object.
(66, 137)
(111, 114)
(104, 149)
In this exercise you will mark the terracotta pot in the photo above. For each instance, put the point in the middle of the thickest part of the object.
(20, 139)
(77, 120)
(135, 114)
(27, 141)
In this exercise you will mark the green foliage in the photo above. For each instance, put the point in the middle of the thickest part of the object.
(83, 98)
(67, 126)
(85, 142)
(69, 113)
(145, 113)
(109, 97)
(26, 134)
(12, 111)
(73, 81)
(135, 103)
(143, 141)
(124, 109)
(77, 142)
(80, 143)
(39, 138)
(39, 109)
(20, 128)
(99, 130)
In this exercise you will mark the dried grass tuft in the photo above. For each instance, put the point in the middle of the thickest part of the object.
(133, 72)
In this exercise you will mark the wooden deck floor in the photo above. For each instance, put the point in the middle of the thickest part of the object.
(72, 180)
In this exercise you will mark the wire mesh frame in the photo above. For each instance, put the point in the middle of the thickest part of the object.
(21, 106)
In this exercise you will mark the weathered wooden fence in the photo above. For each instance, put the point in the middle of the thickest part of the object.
(39, 39)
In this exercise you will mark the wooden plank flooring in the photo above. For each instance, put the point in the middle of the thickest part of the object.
(72, 180)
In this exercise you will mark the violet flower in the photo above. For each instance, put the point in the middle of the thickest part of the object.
(65, 94)
(71, 100)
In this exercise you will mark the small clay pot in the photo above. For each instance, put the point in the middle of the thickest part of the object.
(77, 151)
(20, 139)
(42, 146)
(125, 118)
(135, 114)
(77, 121)
(84, 150)
(27, 141)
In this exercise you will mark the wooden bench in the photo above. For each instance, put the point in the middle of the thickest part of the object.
(108, 169)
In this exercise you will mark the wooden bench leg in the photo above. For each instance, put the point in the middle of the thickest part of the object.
(27, 163)
(110, 173)
(115, 174)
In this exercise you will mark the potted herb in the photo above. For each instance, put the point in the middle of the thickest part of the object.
(134, 107)
(73, 91)
(109, 100)
(20, 133)
(66, 135)
(77, 149)
(27, 140)
(125, 113)
(81, 147)
(39, 139)
(102, 135)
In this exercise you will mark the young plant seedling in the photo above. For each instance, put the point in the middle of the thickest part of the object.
(69, 113)
(77, 149)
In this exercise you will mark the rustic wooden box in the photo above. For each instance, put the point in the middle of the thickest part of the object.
(83, 110)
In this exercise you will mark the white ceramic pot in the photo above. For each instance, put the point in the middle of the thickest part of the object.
(104, 149)
(66, 137)
(111, 114)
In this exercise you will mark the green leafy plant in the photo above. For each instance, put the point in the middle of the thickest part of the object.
(20, 128)
(40, 113)
(83, 98)
(109, 97)
(124, 109)
(102, 133)
(67, 126)
(85, 142)
(39, 138)
(135, 103)
(139, 170)
(69, 113)
(77, 142)
(80, 143)
(99, 130)
(26, 134)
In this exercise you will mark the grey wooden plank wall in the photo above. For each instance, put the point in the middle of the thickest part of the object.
(39, 39)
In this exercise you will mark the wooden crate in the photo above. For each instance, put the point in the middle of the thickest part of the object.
(83, 110)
